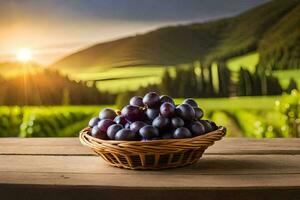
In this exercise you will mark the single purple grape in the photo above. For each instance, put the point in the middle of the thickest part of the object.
(125, 134)
(161, 122)
(196, 128)
(148, 132)
(165, 98)
(133, 113)
(104, 124)
(151, 99)
(198, 113)
(113, 129)
(97, 133)
(177, 122)
(120, 120)
(107, 113)
(136, 101)
(167, 109)
(186, 112)
(182, 132)
(191, 102)
(94, 121)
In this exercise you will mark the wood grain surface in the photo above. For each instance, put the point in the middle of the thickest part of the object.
(233, 168)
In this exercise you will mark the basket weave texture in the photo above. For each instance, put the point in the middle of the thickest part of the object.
(154, 154)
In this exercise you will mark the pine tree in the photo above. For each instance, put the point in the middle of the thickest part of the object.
(224, 76)
(202, 82)
(210, 87)
(167, 85)
(273, 86)
(256, 88)
(245, 83)
(292, 86)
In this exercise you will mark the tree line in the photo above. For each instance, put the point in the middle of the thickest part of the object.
(214, 80)
(49, 87)
(195, 80)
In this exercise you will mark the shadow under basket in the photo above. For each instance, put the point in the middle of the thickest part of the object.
(154, 154)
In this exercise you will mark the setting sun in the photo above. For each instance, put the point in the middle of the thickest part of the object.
(24, 54)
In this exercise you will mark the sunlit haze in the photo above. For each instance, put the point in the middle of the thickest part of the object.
(53, 29)
(24, 55)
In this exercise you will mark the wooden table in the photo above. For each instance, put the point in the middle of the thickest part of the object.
(61, 168)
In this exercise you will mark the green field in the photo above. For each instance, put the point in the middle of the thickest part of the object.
(120, 73)
(285, 76)
(127, 84)
(123, 78)
(236, 103)
(240, 115)
(248, 61)
(45, 121)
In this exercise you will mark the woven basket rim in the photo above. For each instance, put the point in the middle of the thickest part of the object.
(221, 131)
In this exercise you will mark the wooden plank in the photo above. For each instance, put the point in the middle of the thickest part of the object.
(153, 180)
(234, 168)
(209, 164)
(57, 192)
(47, 150)
(72, 146)
(71, 141)
(43, 146)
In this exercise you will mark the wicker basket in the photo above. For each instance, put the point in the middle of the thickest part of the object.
(151, 155)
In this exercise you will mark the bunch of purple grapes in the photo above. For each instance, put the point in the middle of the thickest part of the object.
(151, 117)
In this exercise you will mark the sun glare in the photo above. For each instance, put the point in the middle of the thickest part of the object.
(24, 55)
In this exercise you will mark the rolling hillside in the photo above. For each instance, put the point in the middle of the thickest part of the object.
(284, 37)
(207, 42)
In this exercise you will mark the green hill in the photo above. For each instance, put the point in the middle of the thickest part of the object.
(280, 46)
(207, 42)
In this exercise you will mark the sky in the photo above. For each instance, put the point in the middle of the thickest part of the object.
(56, 28)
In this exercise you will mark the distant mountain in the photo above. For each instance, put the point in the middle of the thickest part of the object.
(260, 28)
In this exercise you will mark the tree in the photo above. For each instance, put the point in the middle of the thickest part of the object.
(224, 76)
(65, 97)
(167, 86)
(292, 85)
(209, 85)
(273, 86)
(245, 83)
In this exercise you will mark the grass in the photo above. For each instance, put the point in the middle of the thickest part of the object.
(106, 74)
(129, 84)
(248, 61)
(236, 103)
(124, 78)
(50, 121)
(285, 76)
